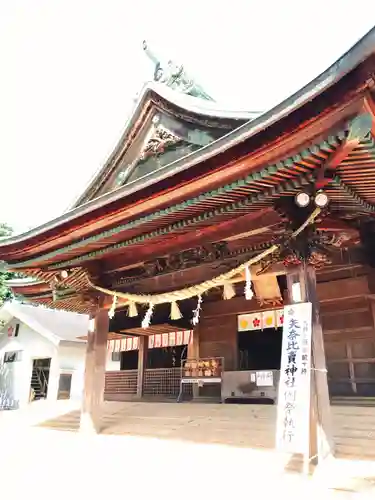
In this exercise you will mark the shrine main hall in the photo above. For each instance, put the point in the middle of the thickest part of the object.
(208, 234)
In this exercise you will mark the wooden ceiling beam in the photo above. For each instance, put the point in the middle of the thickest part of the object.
(358, 130)
(174, 280)
(185, 241)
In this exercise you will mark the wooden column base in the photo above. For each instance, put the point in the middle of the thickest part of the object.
(193, 353)
(89, 424)
(96, 353)
(321, 440)
(142, 364)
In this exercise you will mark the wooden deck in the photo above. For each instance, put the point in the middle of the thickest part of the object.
(234, 425)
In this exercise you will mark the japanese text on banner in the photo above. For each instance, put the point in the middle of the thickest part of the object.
(295, 374)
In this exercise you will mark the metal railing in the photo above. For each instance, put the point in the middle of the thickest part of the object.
(164, 382)
(42, 381)
(8, 403)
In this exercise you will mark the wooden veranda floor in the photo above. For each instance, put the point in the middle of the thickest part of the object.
(234, 425)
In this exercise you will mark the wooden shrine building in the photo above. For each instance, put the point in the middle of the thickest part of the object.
(203, 220)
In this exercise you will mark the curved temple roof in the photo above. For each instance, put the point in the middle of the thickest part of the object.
(243, 171)
(205, 120)
(351, 60)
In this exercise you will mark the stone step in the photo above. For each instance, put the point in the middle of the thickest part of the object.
(251, 426)
(351, 401)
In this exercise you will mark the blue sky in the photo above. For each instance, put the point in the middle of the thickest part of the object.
(70, 70)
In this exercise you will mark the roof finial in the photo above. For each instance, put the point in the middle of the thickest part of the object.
(174, 76)
(150, 54)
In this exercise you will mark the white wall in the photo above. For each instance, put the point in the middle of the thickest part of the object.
(72, 360)
(111, 366)
(15, 378)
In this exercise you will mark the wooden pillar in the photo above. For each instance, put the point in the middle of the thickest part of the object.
(142, 364)
(193, 353)
(96, 354)
(193, 347)
(321, 437)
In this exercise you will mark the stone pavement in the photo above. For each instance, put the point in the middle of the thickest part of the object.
(36, 461)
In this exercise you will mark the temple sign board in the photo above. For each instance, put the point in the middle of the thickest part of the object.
(293, 412)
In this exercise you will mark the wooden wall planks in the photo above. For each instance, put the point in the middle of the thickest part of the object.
(348, 325)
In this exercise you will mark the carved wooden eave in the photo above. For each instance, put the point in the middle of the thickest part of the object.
(323, 129)
(246, 196)
(324, 101)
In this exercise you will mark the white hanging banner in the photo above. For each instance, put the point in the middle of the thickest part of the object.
(129, 343)
(123, 344)
(269, 319)
(154, 341)
(248, 322)
(165, 339)
(179, 338)
(279, 318)
(151, 341)
(260, 320)
(172, 339)
(186, 337)
(135, 343)
(293, 408)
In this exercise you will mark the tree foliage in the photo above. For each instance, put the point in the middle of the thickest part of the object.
(5, 292)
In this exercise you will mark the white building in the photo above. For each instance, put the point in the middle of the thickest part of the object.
(42, 354)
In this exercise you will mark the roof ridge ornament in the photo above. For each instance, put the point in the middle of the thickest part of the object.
(174, 76)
